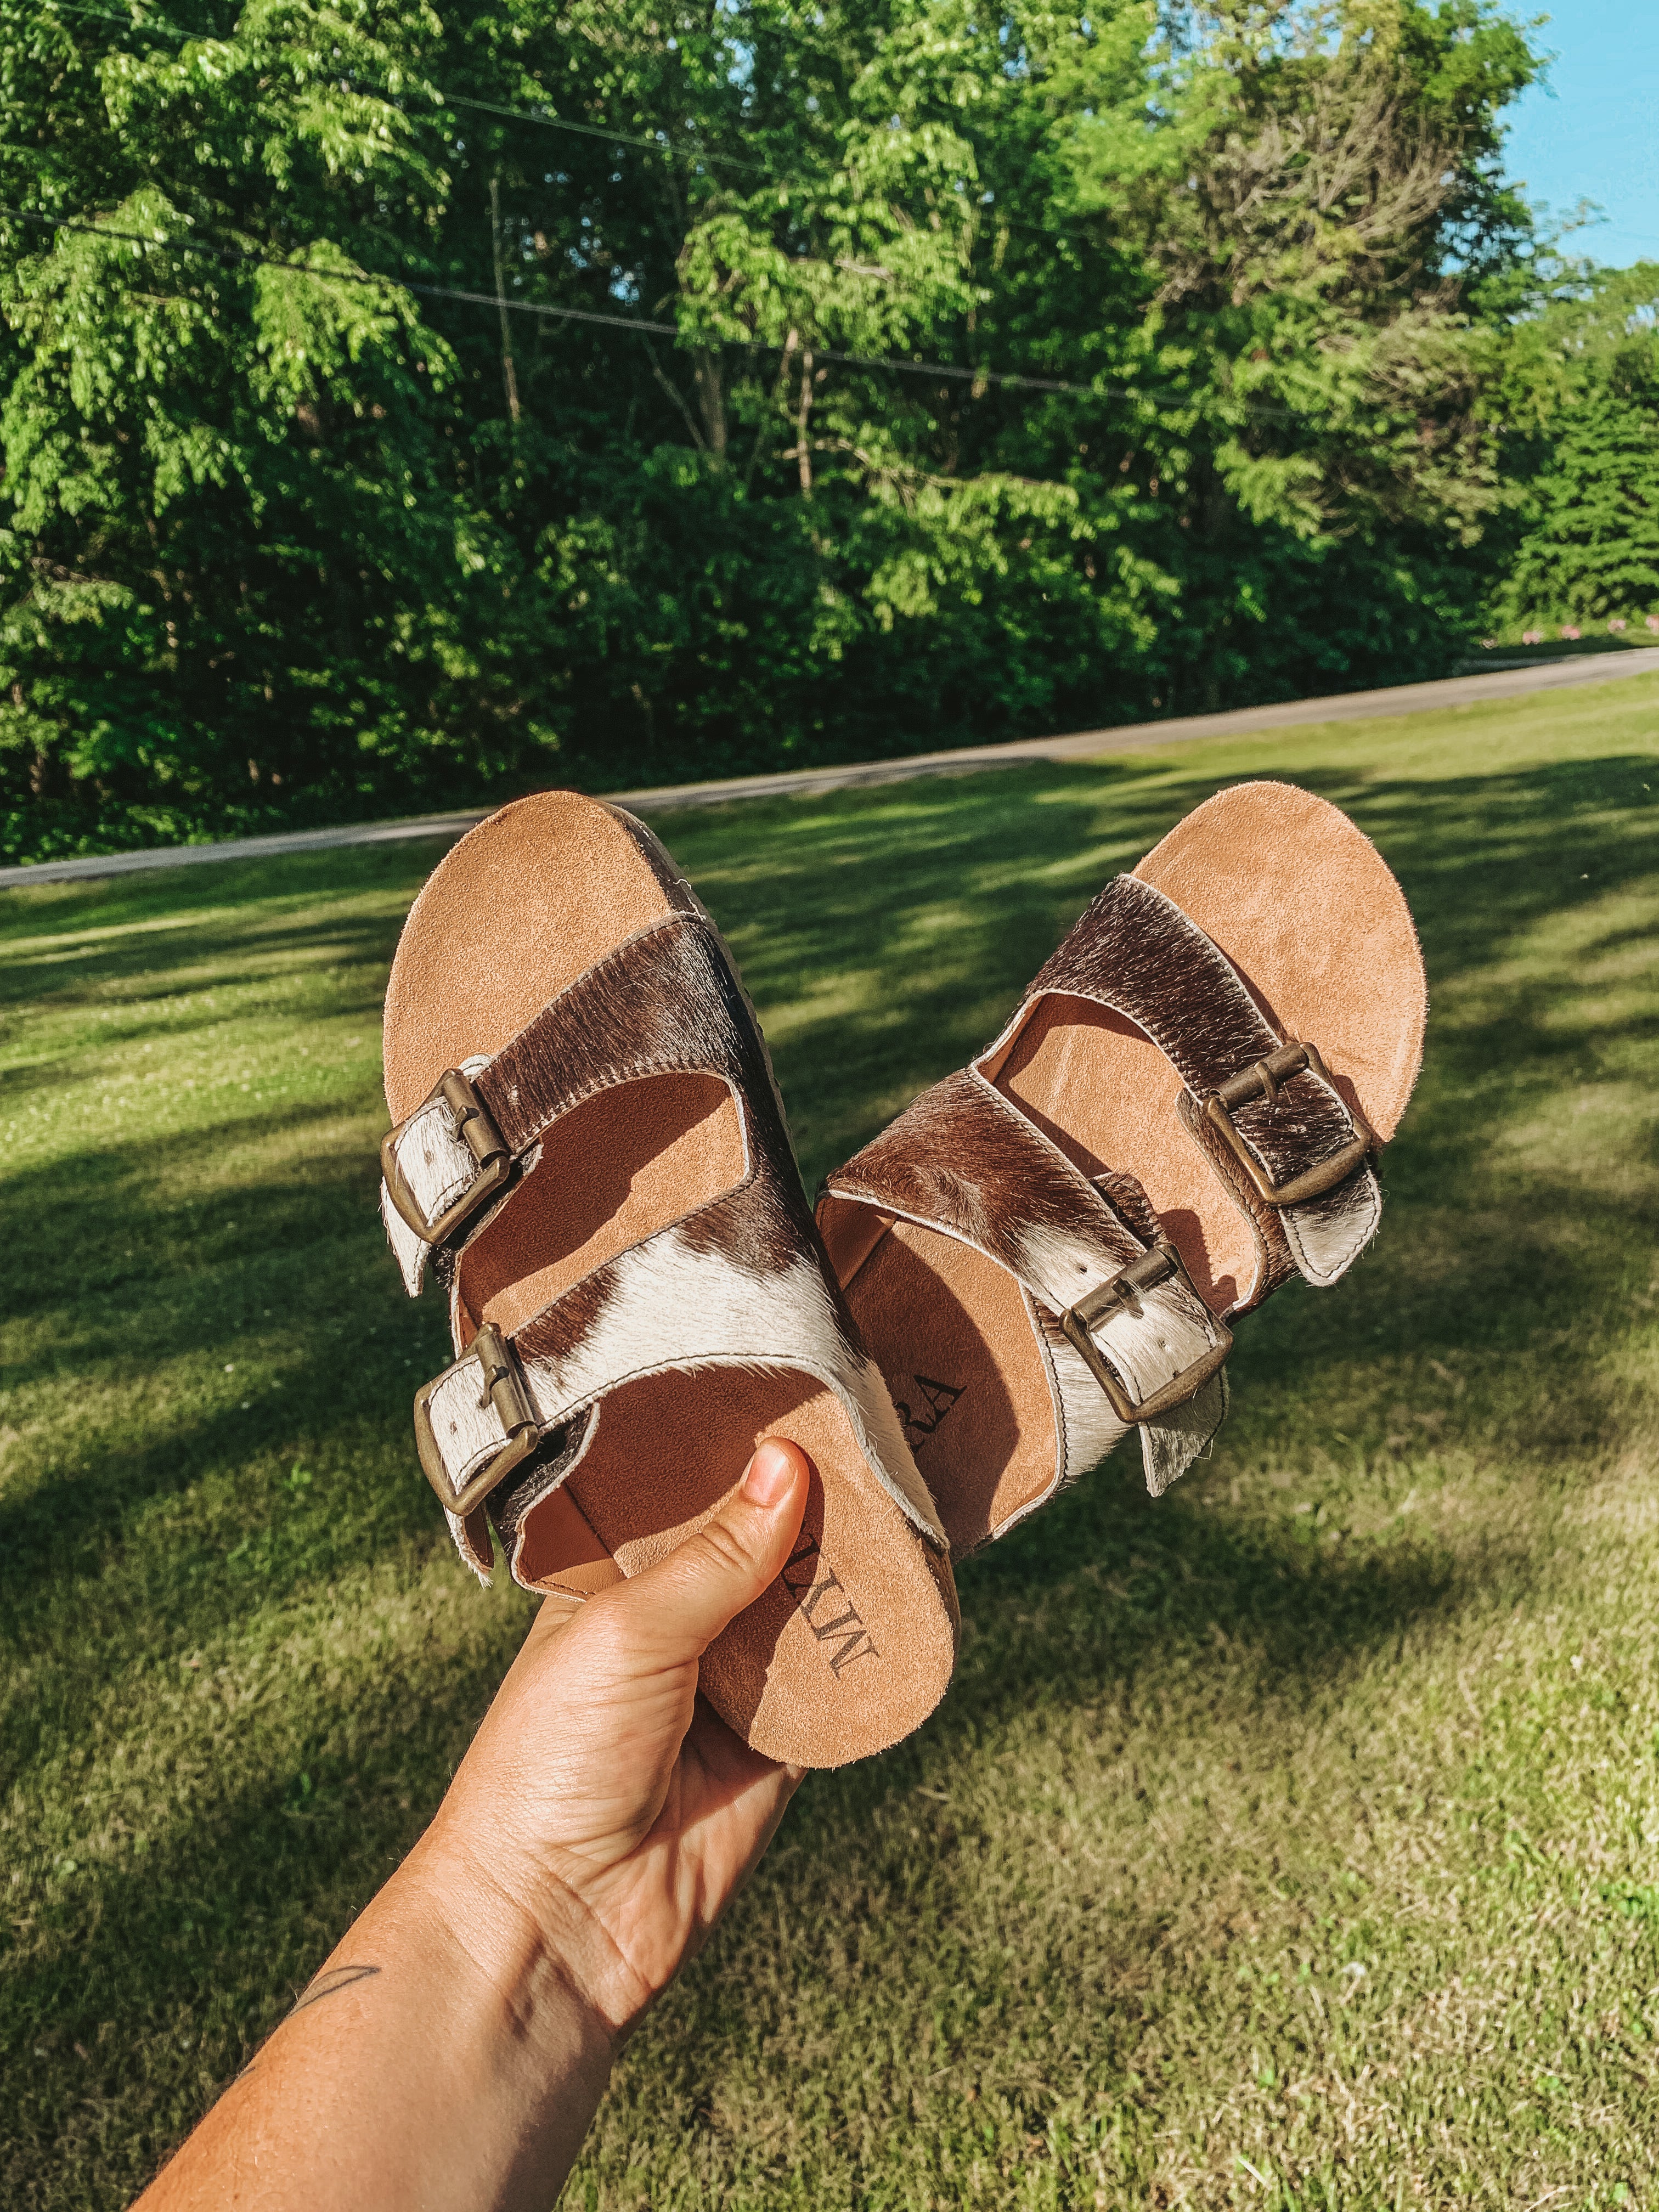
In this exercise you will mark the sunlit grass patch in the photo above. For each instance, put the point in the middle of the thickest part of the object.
(1292, 1841)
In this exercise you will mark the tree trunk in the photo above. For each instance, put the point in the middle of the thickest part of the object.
(803, 447)
(708, 374)
(509, 371)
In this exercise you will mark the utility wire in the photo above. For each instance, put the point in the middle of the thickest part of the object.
(663, 143)
(636, 323)
(677, 44)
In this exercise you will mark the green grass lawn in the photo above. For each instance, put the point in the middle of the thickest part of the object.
(1292, 1842)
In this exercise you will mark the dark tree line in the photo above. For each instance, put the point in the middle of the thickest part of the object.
(295, 532)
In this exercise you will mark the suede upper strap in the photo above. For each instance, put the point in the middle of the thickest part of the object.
(963, 1160)
(1271, 1123)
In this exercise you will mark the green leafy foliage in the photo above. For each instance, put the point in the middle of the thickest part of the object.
(335, 487)
(1586, 386)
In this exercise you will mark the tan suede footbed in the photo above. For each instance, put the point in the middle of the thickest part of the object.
(519, 909)
(1307, 910)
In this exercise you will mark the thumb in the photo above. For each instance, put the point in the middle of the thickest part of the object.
(681, 1605)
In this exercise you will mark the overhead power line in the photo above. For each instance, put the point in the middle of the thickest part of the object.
(662, 143)
(207, 250)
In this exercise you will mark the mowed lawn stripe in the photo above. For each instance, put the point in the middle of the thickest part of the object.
(1292, 1841)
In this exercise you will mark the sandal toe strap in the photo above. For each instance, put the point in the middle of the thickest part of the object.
(739, 1282)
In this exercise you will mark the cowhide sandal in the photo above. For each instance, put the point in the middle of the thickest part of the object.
(1043, 1251)
(588, 1140)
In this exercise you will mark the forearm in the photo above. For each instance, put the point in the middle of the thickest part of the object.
(451, 2054)
(441, 2059)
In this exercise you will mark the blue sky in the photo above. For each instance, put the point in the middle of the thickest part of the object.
(1597, 138)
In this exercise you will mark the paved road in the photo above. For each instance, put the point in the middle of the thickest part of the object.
(1511, 683)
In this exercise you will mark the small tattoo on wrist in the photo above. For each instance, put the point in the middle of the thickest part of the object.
(329, 1983)
(325, 1984)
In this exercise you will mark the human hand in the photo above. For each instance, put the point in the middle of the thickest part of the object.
(602, 1802)
(455, 2046)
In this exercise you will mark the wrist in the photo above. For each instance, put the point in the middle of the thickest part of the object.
(550, 1970)
(529, 2051)
(444, 2055)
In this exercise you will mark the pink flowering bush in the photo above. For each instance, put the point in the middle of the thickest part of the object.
(1532, 637)
(1571, 630)
(1653, 624)
(1618, 625)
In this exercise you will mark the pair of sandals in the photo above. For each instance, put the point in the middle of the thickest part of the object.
(1042, 1252)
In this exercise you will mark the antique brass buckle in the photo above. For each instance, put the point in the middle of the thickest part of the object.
(1262, 1081)
(478, 1131)
(503, 1389)
(1123, 1294)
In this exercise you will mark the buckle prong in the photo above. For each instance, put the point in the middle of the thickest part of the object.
(1160, 1264)
(477, 1131)
(504, 1389)
(1264, 1080)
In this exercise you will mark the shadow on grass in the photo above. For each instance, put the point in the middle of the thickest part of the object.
(166, 1921)
(915, 917)
(193, 1948)
(287, 1272)
(893, 864)
(985, 871)
(943, 903)
(154, 902)
(184, 1014)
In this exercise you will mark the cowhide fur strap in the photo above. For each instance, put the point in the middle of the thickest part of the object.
(1136, 953)
(740, 1281)
(736, 1285)
(964, 1161)
(638, 1011)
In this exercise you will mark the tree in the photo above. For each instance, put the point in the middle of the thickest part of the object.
(1316, 196)
(225, 471)
(418, 406)
(1584, 398)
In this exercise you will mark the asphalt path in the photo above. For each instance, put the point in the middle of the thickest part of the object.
(1515, 682)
